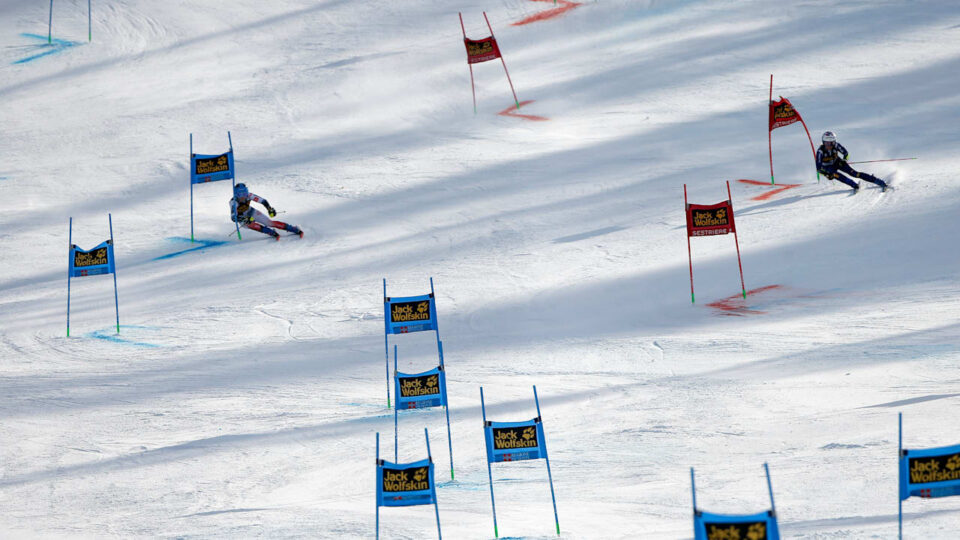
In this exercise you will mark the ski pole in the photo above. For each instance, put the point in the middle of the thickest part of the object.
(879, 160)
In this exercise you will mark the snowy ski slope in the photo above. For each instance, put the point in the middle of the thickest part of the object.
(242, 395)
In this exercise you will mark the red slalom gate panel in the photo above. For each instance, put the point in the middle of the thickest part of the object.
(777, 188)
(512, 111)
(563, 6)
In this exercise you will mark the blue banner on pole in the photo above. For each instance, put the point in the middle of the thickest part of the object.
(514, 441)
(761, 526)
(405, 484)
(410, 314)
(92, 262)
(421, 390)
(930, 472)
(211, 168)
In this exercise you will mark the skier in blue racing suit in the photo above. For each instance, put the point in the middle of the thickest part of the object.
(831, 165)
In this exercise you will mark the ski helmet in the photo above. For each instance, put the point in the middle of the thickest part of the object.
(240, 191)
(829, 136)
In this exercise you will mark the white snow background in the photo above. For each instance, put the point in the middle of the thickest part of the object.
(242, 394)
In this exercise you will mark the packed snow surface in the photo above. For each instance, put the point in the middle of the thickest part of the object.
(242, 395)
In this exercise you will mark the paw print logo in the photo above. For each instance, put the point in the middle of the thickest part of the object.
(954, 463)
(530, 433)
(222, 160)
(757, 531)
(423, 307)
(420, 475)
(432, 382)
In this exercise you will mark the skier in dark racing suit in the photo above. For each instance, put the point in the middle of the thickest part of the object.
(831, 165)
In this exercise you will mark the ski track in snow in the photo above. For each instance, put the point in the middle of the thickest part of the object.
(241, 396)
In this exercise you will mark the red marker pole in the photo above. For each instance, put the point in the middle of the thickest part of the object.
(686, 216)
(743, 287)
(473, 89)
(515, 100)
(769, 131)
(809, 138)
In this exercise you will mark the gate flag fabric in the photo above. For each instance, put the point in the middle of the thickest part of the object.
(481, 50)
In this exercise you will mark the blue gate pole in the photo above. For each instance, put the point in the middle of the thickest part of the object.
(386, 340)
(191, 186)
(493, 503)
(693, 490)
(377, 482)
(395, 413)
(50, 26)
(436, 508)
(436, 321)
(546, 457)
(69, 274)
(446, 408)
(773, 507)
(899, 475)
(234, 179)
(113, 248)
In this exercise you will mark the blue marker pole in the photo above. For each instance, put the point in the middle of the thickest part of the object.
(234, 179)
(116, 300)
(693, 490)
(50, 26)
(446, 409)
(546, 457)
(376, 488)
(191, 186)
(899, 475)
(386, 339)
(395, 375)
(69, 273)
(493, 503)
(436, 321)
(773, 507)
(436, 508)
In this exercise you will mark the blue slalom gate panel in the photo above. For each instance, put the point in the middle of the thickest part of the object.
(92, 262)
(211, 167)
(410, 314)
(514, 441)
(930, 472)
(405, 484)
(761, 526)
(421, 390)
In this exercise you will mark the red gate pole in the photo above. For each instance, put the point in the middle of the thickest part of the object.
(473, 89)
(515, 100)
(686, 213)
(735, 241)
(809, 138)
(769, 131)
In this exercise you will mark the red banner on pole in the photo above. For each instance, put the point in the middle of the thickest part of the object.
(481, 50)
(782, 113)
(710, 219)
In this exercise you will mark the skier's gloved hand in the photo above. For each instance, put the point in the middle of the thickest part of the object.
(834, 176)
(248, 219)
(272, 211)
